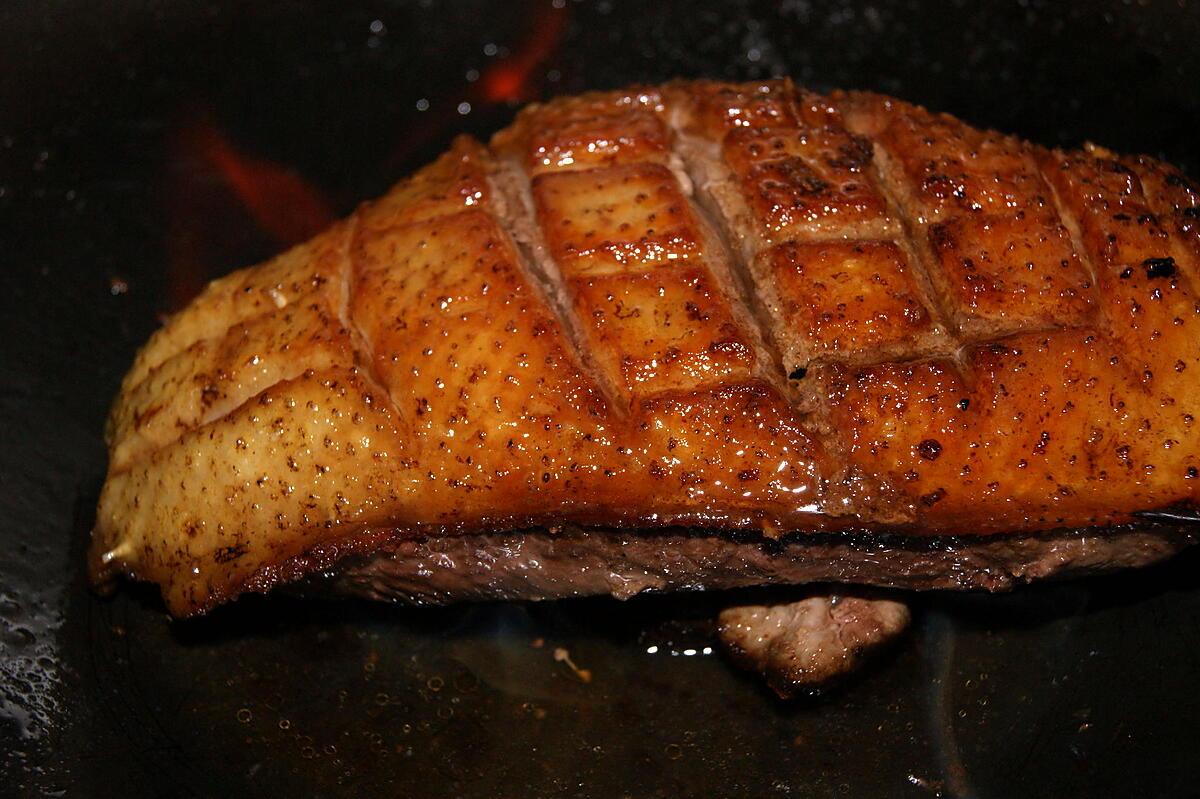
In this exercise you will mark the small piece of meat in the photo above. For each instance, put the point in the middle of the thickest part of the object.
(799, 646)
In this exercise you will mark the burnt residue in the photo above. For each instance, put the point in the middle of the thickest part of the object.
(1159, 267)
(929, 449)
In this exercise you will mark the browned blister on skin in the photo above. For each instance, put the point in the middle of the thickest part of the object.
(742, 308)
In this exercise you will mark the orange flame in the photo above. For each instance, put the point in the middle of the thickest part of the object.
(282, 204)
(510, 79)
(254, 207)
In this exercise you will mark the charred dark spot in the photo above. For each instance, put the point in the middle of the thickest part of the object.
(621, 313)
(1126, 273)
(930, 449)
(964, 403)
(1159, 267)
(940, 237)
(790, 174)
(854, 155)
(939, 185)
(1176, 179)
(209, 394)
(1109, 165)
(933, 497)
(798, 373)
(230, 553)
(748, 475)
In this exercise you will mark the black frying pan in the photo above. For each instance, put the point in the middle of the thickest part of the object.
(129, 134)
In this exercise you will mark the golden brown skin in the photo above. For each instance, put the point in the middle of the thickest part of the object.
(742, 307)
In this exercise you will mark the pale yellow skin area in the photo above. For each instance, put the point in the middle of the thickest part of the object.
(592, 321)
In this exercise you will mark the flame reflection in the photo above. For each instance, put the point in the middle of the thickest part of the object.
(223, 202)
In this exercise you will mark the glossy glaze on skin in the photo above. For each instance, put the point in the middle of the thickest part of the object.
(731, 307)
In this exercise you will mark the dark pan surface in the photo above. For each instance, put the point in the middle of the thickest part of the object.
(125, 129)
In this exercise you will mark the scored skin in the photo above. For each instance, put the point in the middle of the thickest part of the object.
(414, 374)
(485, 419)
(801, 200)
(1070, 427)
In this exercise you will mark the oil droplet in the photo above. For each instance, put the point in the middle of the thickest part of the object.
(244, 715)
(285, 724)
(673, 751)
(435, 684)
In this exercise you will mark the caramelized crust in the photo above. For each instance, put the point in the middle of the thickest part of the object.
(738, 307)
(801, 182)
(844, 300)
(604, 140)
(619, 219)
(1002, 274)
(659, 330)
(948, 168)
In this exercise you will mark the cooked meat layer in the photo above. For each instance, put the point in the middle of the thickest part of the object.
(577, 562)
(731, 307)
(804, 645)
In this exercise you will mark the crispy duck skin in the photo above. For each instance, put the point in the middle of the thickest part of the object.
(745, 309)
